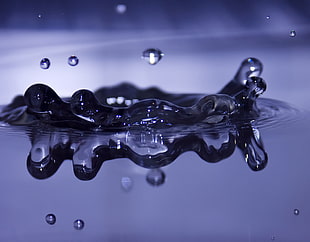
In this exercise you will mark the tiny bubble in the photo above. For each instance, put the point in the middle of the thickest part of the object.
(292, 33)
(121, 8)
(45, 63)
(40, 15)
(73, 60)
(50, 219)
(126, 183)
(156, 177)
(78, 224)
(268, 17)
(296, 211)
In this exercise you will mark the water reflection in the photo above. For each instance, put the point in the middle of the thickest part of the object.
(152, 149)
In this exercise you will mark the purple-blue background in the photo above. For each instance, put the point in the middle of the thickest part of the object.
(204, 43)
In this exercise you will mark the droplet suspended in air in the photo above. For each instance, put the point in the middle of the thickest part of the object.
(292, 33)
(152, 56)
(50, 219)
(40, 15)
(73, 60)
(45, 63)
(126, 183)
(78, 224)
(267, 17)
(156, 177)
(296, 211)
(121, 8)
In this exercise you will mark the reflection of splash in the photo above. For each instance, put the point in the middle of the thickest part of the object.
(150, 149)
(150, 127)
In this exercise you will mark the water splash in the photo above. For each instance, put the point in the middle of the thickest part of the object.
(250, 67)
(45, 63)
(73, 60)
(152, 55)
(78, 224)
(148, 126)
(250, 143)
(50, 219)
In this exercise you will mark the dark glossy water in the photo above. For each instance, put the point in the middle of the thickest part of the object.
(222, 198)
(198, 200)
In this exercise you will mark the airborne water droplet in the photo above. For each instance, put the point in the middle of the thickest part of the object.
(268, 17)
(73, 60)
(156, 177)
(45, 63)
(296, 211)
(121, 8)
(78, 224)
(50, 219)
(126, 183)
(152, 56)
(292, 33)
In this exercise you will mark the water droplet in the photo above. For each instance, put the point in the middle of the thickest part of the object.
(121, 8)
(156, 177)
(50, 219)
(296, 211)
(267, 17)
(78, 224)
(152, 56)
(73, 60)
(40, 15)
(45, 63)
(126, 183)
(249, 67)
(292, 33)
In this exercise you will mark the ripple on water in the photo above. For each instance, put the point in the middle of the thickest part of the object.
(274, 113)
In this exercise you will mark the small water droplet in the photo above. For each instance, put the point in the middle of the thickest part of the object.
(152, 56)
(78, 224)
(267, 17)
(73, 60)
(126, 183)
(292, 33)
(296, 211)
(50, 219)
(156, 177)
(45, 63)
(40, 15)
(121, 8)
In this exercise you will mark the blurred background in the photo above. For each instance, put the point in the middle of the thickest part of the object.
(203, 43)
